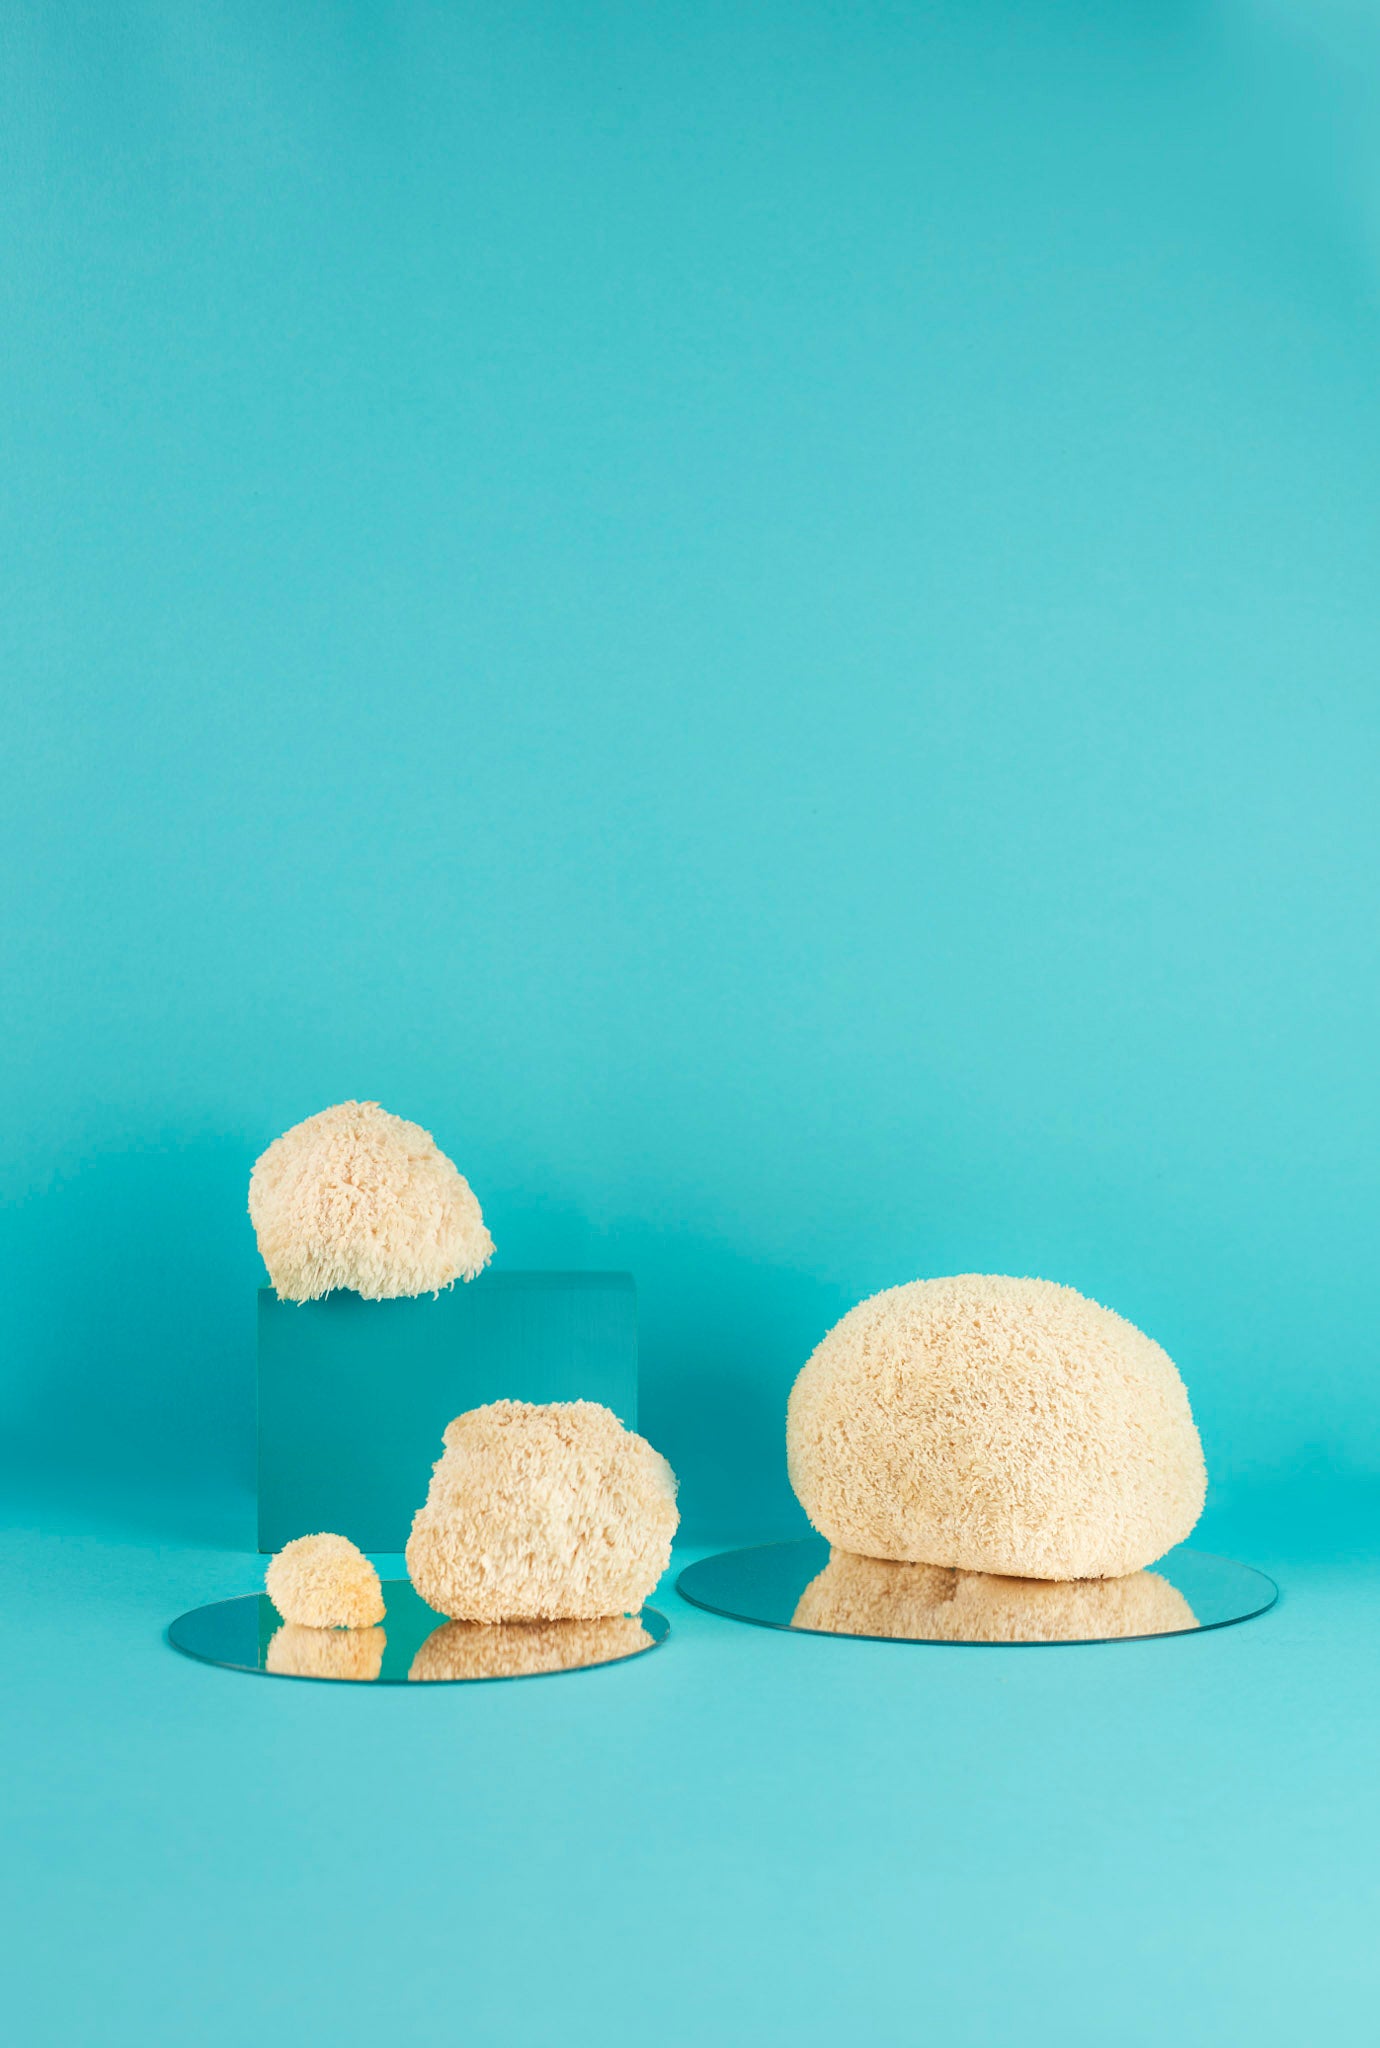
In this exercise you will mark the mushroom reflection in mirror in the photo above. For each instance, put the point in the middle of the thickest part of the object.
(296, 1651)
(868, 1596)
(520, 1649)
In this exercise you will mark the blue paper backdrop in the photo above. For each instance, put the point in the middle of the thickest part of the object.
(767, 617)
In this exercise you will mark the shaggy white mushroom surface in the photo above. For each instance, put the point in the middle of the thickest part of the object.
(995, 1425)
(868, 1596)
(324, 1582)
(542, 1513)
(357, 1198)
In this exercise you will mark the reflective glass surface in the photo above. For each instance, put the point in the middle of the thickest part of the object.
(808, 1586)
(413, 1644)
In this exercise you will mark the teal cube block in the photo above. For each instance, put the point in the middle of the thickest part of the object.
(354, 1394)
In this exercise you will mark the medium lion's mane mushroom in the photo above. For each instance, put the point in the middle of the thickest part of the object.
(324, 1582)
(542, 1513)
(995, 1425)
(357, 1198)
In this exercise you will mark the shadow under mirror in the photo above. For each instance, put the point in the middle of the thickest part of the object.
(811, 1588)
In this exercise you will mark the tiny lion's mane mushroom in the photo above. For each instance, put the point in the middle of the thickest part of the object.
(324, 1582)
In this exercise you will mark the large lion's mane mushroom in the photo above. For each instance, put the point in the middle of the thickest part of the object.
(357, 1198)
(542, 1513)
(995, 1425)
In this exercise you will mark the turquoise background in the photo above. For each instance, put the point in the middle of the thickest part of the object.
(767, 617)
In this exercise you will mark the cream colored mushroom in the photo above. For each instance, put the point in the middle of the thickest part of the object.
(995, 1425)
(357, 1198)
(551, 1512)
(324, 1582)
